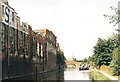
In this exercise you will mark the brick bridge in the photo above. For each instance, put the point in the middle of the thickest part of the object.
(77, 64)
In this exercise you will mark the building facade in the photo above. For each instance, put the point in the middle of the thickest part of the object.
(49, 48)
(24, 51)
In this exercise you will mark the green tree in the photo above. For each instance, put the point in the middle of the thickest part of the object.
(85, 60)
(74, 59)
(60, 58)
(114, 18)
(115, 63)
(90, 61)
(107, 52)
(103, 52)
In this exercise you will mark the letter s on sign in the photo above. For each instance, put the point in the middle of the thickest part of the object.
(7, 11)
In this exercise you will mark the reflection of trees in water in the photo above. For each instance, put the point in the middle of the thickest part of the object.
(56, 75)
(53, 75)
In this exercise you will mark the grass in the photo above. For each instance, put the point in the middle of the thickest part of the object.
(106, 69)
(98, 76)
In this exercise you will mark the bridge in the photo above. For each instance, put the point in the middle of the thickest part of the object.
(76, 64)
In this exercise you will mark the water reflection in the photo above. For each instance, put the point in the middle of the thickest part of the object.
(59, 75)
(49, 76)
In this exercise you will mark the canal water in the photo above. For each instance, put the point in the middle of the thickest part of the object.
(75, 74)
(60, 75)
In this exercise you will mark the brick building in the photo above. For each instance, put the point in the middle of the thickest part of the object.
(22, 50)
(49, 48)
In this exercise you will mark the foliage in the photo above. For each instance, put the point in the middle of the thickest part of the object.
(60, 58)
(74, 59)
(113, 50)
(85, 60)
(89, 61)
(115, 17)
(107, 52)
(115, 63)
(102, 52)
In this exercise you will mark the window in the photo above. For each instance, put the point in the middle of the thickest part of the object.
(41, 50)
(12, 39)
(38, 48)
(2, 10)
(12, 16)
(20, 42)
(33, 46)
(2, 38)
(26, 44)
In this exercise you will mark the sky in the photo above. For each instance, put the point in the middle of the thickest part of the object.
(76, 23)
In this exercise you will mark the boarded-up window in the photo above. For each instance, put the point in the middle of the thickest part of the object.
(12, 39)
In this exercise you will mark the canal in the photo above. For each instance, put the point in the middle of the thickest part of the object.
(61, 75)
(75, 74)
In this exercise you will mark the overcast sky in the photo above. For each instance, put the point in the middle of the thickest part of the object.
(76, 23)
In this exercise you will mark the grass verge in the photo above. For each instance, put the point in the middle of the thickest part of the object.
(95, 75)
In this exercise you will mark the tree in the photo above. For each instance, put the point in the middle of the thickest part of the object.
(107, 52)
(103, 52)
(60, 58)
(85, 60)
(74, 59)
(114, 18)
(90, 61)
(115, 63)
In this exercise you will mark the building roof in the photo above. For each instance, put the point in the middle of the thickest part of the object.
(43, 32)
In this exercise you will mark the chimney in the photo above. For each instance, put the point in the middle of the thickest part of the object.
(5, 1)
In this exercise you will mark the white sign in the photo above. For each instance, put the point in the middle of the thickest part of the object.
(8, 15)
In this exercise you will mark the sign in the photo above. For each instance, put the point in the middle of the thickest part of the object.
(8, 15)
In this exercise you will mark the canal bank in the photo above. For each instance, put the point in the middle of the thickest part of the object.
(100, 75)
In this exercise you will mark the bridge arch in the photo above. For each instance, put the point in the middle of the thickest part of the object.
(76, 64)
